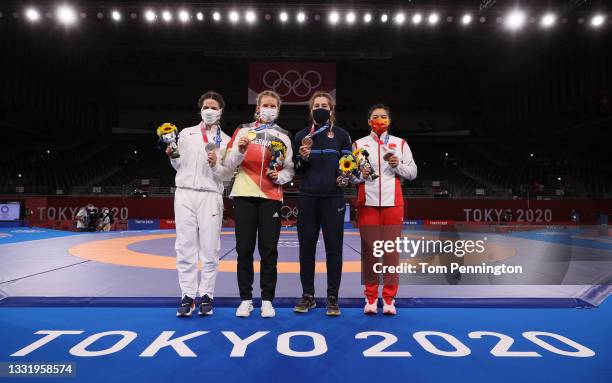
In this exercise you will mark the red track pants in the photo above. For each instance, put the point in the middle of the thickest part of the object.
(379, 223)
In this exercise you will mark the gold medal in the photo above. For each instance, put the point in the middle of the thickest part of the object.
(251, 135)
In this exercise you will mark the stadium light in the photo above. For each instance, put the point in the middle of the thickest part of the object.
(116, 15)
(167, 16)
(183, 16)
(433, 19)
(416, 19)
(216, 16)
(598, 20)
(301, 17)
(250, 17)
(200, 16)
(66, 15)
(334, 17)
(350, 17)
(284, 17)
(384, 18)
(400, 18)
(150, 16)
(234, 17)
(516, 20)
(548, 20)
(32, 15)
(466, 19)
(367, 18)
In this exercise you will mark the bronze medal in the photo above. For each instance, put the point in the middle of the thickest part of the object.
(390, 153)
(307, 141)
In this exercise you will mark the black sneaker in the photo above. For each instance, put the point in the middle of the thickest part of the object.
(307, 302)
(332, 306)
(186, 308)
(206, 305)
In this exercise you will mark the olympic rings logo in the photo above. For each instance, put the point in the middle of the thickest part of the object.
(288, 212)
(292, 82)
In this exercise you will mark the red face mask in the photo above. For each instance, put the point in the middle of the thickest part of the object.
(379, 125)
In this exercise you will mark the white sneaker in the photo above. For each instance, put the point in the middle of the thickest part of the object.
(389, 309)
(267, 311)
(370, 308)
(245, 308)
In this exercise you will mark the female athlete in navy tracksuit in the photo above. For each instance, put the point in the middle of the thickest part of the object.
(321, 204)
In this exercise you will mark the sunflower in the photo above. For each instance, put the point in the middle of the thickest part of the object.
(357, 152)
(347, 163)
(277, 146)
(166, 128)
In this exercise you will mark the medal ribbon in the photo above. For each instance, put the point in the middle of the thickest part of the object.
(312, 130)
(205, 137)
(378, 140)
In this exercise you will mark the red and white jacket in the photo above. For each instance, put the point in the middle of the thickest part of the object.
(386, 190)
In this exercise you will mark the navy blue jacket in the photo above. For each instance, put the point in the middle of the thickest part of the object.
(318, 174)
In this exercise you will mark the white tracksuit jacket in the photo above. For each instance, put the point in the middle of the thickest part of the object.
(198, 209)
(386, 190)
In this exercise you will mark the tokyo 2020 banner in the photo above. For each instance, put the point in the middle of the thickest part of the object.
(295, 82)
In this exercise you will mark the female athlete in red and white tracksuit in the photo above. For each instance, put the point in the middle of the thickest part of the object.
(381, 204)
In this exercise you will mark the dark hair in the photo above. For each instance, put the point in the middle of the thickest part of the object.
(211, 94)
(379, 106)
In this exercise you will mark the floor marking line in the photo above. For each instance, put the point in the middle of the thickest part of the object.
(44, 272)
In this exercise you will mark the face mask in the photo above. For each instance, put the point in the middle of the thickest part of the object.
(321, 115)
(268, 114)
(379, 125)
(210, 116)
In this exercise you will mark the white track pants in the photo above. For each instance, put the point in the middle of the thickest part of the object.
(198, 216)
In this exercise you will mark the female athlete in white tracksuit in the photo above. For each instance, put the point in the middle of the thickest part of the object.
(198, 204)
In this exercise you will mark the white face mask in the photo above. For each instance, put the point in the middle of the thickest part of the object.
(268, 114)
(211, 116)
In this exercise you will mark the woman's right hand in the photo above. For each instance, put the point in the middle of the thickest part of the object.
(243, 144)
(168, 151)
(305, 152)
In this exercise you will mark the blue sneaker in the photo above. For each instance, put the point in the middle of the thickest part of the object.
(186, 308)
(206, 305)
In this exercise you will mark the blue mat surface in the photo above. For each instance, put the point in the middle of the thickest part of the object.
(24, 234)
(344, 359)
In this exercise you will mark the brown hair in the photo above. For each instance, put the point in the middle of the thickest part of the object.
(211, 94)
(332, 104)
(263, 94)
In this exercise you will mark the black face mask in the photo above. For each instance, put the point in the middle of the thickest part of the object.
(321, 115)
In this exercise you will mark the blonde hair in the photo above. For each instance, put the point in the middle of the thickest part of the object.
(332, 105)
(262, 94)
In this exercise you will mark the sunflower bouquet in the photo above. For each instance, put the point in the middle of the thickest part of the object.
(278, 152)
(347, 165)
(168, 134)
(363, 162)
